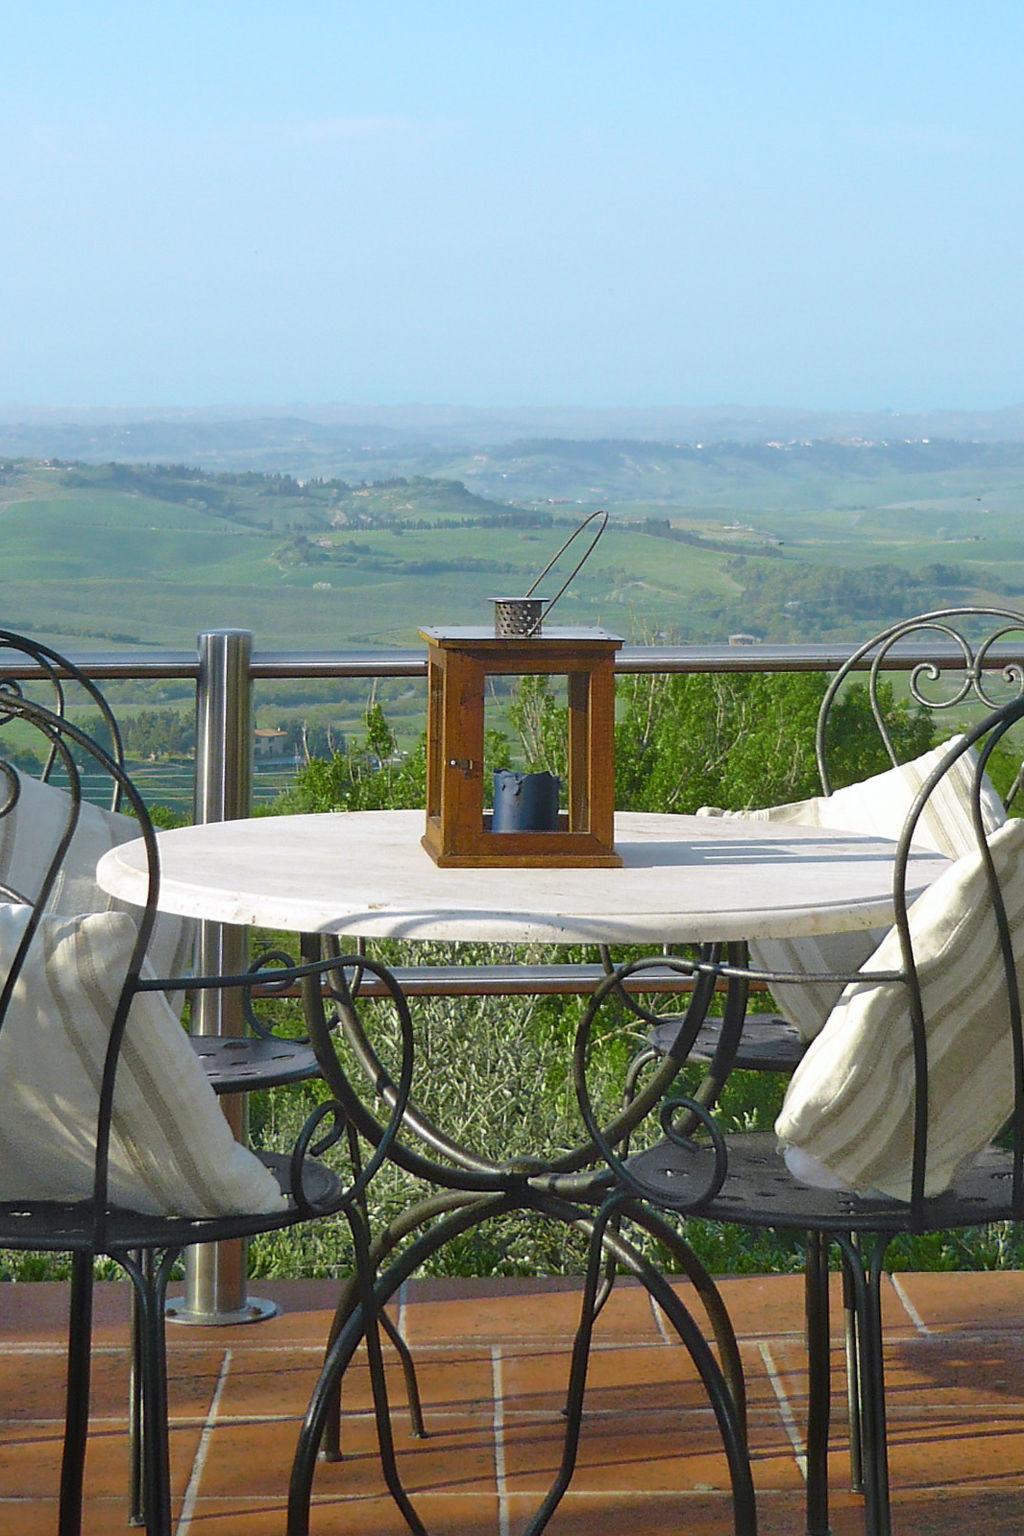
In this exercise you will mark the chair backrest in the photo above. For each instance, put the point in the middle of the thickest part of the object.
(36, 689)
(33, 671)
(982, 665)
(980, 914)
(921, 1061)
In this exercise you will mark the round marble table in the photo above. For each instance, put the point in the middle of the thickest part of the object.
(364, 874)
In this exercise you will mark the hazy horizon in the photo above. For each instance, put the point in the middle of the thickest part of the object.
(252, 409)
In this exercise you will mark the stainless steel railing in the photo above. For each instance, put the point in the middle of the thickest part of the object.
(270, 666)
(215, 1273)
(224, 668)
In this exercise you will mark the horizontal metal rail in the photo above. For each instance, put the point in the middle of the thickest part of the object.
(282, 666)
(510, 981)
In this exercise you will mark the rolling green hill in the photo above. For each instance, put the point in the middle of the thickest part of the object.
(139, 555)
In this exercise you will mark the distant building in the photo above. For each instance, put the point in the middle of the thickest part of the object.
(270, 743)
(744, 639)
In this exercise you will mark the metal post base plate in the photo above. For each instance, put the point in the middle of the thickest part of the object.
(256, 1310)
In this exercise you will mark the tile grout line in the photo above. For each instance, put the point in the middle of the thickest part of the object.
(908, 1306)
(498, 1393)
(659, 1319)
(785, 1410)
(202, 1450)
(472, 1345)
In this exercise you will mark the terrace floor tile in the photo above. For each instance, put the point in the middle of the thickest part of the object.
(513, 1311)
(492, 1362)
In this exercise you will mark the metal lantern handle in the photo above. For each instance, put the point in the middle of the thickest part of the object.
(576, 569)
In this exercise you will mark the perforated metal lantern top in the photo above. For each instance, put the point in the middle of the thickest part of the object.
(517, 618)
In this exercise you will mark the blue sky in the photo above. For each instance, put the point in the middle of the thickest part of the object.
(557, 203)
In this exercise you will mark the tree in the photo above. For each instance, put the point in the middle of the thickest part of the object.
(731, 739)
(744, 739)
(371, 775)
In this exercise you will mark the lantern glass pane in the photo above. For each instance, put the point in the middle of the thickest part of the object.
(526, 735)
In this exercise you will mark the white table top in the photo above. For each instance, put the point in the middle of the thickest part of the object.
(364, 873)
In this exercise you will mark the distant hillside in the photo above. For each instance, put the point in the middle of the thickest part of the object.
(753, 460)
(783, 542)
(193, 434)
(774, 475)
(266, 501)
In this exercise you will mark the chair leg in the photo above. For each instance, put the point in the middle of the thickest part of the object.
(330, 1444)
(873, 1346)
(853, 1392)
(136, 1426)
(818, 1382)
(76, 1410)
(149, 1282)
(866, 1284)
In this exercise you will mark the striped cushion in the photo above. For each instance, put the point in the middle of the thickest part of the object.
(172, 1152)
(29, 835)
(877, 807)
(850, 1104)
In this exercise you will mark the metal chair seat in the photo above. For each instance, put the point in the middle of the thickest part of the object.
(760, 1191)
(241, 1065)
(769, 1043)
(53, 1226)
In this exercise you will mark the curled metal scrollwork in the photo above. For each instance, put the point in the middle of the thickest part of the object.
(9, 689)
(10, 789)
(926, 675)
(625, 1171)
(960, 668)
(336, 969)
(1012, 674)
(305, 1151)
(51, 672)
(268, 988)
(630, 1000)
(353, 973)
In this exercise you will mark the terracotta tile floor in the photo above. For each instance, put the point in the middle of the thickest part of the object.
(492, 1358)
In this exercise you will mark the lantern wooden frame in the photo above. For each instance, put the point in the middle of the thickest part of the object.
(459, 662)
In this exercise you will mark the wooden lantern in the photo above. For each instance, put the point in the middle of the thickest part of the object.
(458, 828)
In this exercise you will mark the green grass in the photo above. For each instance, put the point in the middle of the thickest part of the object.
(107, 563)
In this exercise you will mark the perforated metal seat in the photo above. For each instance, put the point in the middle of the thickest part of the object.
(769, 1043)
(51, 1226)
(760, 1191)
(255, 1061)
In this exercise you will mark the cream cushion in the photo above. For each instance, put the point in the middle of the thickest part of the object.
(171, 1152)
(850, 1104)
(29, 836)
(876, 807)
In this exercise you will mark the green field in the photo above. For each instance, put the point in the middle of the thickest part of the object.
(821, 542)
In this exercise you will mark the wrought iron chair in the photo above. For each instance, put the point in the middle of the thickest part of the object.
(749, 1177)
(772, 1042)
(262, 1059)
(88, 1179)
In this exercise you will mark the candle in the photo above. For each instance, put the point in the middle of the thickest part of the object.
(525, 802)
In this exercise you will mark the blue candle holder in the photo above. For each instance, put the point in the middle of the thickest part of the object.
(525, 802)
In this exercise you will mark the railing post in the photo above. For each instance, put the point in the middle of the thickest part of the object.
(215, 1273)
